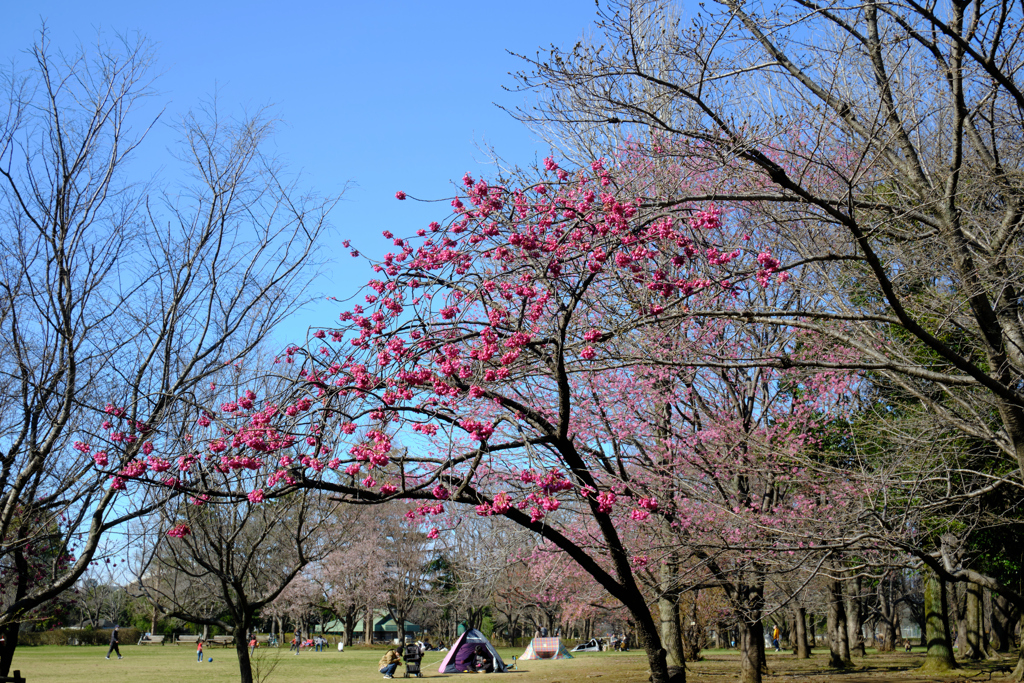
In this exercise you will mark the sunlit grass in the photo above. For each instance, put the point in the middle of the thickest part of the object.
(177, 664)
(153, 664)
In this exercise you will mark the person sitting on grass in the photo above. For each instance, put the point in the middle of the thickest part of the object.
(482, 660)
(389, 662)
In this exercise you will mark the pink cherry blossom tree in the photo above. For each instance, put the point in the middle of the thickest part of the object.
(514, 351)
(887, 194)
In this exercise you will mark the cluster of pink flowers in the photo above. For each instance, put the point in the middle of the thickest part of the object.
(501, 504)
(180, 531)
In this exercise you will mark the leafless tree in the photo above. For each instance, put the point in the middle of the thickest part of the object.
(119, 302)
(472, 564)
(223, 561)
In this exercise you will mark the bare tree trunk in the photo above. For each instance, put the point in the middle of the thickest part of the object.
(1018, 672)
(648, 638)
(668, 611)
(854, 625)
(838, 642)
(973, 646)
(936, 618)
(888, 615)
(368, 626)
(800, 648)
(241, 633)
(751, 653)
(10, 643)
(350, 625)
(956, 598)
(1000, 623)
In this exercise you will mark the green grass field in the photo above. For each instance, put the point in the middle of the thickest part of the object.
(160, 664)
(177, 664)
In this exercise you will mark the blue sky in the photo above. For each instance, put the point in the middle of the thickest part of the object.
(387, 95)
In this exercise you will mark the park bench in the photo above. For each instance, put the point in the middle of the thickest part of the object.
(223, 640)
(265, 640)
(148, 639)
(187, 639)
(16, 678)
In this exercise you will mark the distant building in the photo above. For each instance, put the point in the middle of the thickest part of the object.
(384, 628)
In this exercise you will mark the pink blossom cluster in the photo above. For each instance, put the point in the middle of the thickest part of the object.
(498, 506)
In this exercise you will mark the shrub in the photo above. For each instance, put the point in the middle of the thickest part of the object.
(83, 636)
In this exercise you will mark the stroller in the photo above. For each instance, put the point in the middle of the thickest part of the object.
(412, 656)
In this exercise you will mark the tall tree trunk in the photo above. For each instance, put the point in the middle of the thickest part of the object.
(10, 644)
(649, 639)
(668, 611)
(241, 633)
(956, 598)
(888, 615)
(368, 626)
(800, 648)
(973, 635)
(1018, 672)
(350, 625)
(936, 619)
(1000, 623)
(750, 653)
(854, 625)
(838, 642)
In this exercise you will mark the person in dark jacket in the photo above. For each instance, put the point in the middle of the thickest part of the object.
(113, 644)
(482, 660)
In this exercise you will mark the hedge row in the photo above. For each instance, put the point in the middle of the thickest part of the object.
(74, 636)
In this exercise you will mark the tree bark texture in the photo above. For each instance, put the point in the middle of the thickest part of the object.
(1001, 624)
(800, 648)
(751, 650)
(973, 618)
(1018, 672)
(854, 624)
(939, 656)
(10, 634)
(888, 614)
(649, 640)
(241, 633)
(668, 611)
(838, 641)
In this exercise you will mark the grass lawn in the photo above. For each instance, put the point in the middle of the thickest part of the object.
(177, 664)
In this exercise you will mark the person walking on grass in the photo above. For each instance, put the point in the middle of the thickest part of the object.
(113, 644)
(199, 650)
